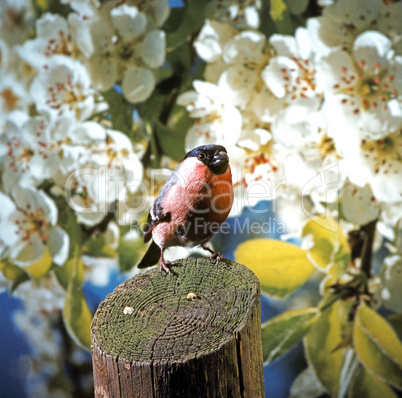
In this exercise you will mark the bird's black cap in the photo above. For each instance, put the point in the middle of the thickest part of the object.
(213, 156)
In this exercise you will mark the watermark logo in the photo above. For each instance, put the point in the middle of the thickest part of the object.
(93, 190)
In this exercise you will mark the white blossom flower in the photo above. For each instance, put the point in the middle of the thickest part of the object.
(234, 61)
(28, 227)
(243, 14)
(42, 298)
(344, 20)
(254, 133)
(217, 119)
(368, 157)
(245, 55)
(53, 36)
(157, 10)
(363, 88)
(127, 47)
(31, 148)
(358, 204)
(78, 3)
(290, 75)
(381, 161)
(43, 302)
(211, 40)
(63, 87)
(255, 157)
(209, 46)
(308, 159)
(107, 170)
(80, 23)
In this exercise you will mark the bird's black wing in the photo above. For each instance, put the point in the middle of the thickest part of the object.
(151, 257)
(157, 214)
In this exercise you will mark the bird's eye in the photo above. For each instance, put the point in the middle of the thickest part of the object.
(201, 156)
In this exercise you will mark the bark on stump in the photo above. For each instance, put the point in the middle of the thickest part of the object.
(194, 334)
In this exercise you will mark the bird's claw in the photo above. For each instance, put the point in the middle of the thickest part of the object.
(216, 255)
(165, 265)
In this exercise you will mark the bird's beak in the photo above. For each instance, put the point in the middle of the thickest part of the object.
(220, 162)
(221, 157)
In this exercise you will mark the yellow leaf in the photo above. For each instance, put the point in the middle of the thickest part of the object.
(396, 322)
(377, 346)
(366, 385)
(320, 346)
(280, 266)
(41, 267)
(328, 240)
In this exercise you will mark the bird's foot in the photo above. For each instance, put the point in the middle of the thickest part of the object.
(165, 265)
(216, 256)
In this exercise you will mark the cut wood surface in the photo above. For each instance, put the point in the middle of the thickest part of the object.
(196, 333)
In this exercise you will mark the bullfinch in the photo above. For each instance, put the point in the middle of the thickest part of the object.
(191, 206)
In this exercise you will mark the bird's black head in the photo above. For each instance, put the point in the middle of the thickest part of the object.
(213, 156)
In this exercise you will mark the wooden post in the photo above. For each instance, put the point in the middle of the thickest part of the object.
(196, 333)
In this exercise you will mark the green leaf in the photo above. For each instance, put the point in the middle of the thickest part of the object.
(281, 17)
(65, 273)
(171, 141)
(76, 314)
(14, 274)
(68, 221)
(320, 346)
(150, 110)
(280, 266)
(329, 242)
(120, 111)
(96, 247)
(377, 346)
(41, 267)
(366, 385)
(190, 22)
(281, 333)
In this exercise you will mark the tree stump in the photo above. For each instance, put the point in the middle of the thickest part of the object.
(196, 333)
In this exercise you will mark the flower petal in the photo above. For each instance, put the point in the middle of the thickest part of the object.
(138, 84)
(275, 78)
(152, 48)
(358, 205)
(128, 21)
(372, 48)
(284, 45)
(27, 252)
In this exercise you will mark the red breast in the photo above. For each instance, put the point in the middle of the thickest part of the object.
(201, 197)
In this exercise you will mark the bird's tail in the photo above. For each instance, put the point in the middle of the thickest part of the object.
(151, 257)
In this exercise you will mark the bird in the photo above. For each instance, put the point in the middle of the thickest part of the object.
(191, 206)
